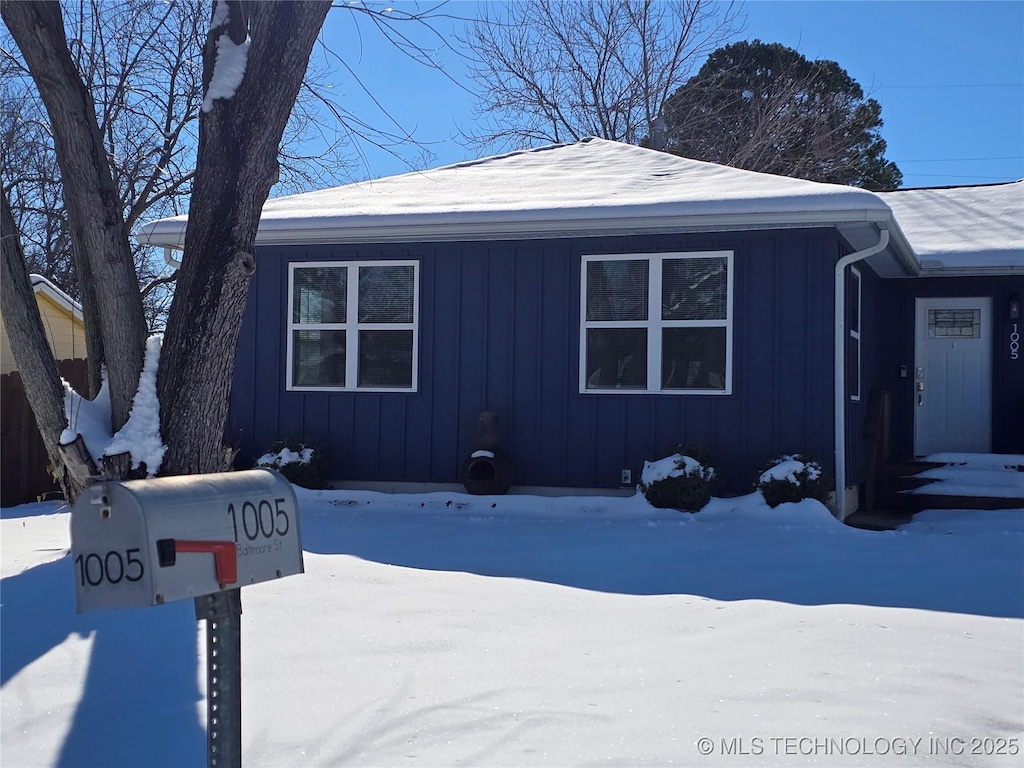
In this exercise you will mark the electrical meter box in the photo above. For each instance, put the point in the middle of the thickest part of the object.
(148, 542)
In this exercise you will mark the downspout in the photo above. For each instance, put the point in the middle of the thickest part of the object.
(171, 261)
(840, 364)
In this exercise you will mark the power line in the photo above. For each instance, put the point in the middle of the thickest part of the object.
(961, 159)
(955, 85)
(954, 176)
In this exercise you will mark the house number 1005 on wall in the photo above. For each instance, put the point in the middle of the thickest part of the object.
(1014, 342)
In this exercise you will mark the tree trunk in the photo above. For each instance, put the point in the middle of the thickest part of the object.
(239, 136)
(111, 304)
(31, 350)
(237, 164)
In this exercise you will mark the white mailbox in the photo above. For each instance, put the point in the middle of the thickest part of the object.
(148, 542)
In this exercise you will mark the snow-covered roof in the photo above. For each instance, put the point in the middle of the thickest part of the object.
(42, 285)
(590, 187)
(964, 230)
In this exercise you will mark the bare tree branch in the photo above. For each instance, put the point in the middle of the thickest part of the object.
(115, 328)
(236, 166)
(165, 280)
(141, 61)
(559, 71)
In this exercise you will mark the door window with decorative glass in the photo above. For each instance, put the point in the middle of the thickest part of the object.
(353, 325)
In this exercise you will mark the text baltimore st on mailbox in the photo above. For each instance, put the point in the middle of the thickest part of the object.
(148, 542)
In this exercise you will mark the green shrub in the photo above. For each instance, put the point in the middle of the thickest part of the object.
(677, 482)
(301, 464)
(791, 479)
(697, 452)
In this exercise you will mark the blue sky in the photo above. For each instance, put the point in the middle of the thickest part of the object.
(949, 76)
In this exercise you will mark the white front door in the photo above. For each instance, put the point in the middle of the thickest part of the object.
(953, 376)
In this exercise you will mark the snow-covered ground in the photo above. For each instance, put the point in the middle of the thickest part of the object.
(444, 629)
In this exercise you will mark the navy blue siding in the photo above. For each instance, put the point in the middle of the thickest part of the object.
(499, 330)
(881, 322)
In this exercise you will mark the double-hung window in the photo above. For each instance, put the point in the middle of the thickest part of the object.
(353, 326)
(657, 323)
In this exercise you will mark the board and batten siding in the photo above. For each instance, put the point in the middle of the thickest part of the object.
(499, 329)
(879, 362)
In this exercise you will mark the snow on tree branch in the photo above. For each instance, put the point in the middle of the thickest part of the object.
(229, 68)
(139, 437)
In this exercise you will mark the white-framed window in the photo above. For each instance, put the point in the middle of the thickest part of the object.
(853, 322)
(657, 323)
(353, 325)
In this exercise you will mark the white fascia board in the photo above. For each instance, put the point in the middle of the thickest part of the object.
(909, 257)
(162, 234)
(41, 285)
(171, 233)
(556, 228)
(971, 271)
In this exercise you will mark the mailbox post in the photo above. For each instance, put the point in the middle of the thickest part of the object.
(222, 612)
(147, 542)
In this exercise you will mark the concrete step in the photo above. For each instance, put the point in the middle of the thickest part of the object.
(921, 501)
(912, 486)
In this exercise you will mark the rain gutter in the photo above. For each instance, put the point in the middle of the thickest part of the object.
(490, 225)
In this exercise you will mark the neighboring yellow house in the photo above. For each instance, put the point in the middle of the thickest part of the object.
(62, 320)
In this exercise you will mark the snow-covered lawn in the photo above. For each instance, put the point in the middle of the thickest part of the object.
(444, 629)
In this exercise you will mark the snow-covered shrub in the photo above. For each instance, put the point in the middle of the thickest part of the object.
(792, 478)
(677, 482)
(300, 463)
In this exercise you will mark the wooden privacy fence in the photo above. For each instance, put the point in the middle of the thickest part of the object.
(23, 459)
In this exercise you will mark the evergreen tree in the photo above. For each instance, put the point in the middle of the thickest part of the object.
(765, 107)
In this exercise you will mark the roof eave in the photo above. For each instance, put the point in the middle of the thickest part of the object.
(901, 249)
(991, 271)
(41, 285)
(538, 228)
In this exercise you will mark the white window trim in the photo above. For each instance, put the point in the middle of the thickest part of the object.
(855, 334)
(352, 327)
(655, 323)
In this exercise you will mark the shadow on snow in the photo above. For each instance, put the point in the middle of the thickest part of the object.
(146, 664)
(982, 575)
(139, 705)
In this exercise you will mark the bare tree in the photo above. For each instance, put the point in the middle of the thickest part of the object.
(240, 129)
(549, 71)
(417, 31)
(141, 61)
(31, 179)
